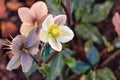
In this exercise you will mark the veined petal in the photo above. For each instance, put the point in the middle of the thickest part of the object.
(14, 62)
(47, 22)
(34, 49)
(31, 38)
(43, 35)
(26, 62)
(66, 34)
(25, 29)
(116, 22)
(55, 44)
(26, 15)
(60, 20)
(40, 9)
(17, 42)
(41, 20)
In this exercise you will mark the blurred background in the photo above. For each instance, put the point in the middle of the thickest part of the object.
(91, 20)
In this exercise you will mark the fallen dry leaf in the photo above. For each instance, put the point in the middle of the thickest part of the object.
(8, 28)
(3, 13)
(13, 5)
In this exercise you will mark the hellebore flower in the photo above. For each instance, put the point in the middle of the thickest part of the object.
(54, 31)
(22, 48)
(32, 17)
(116, 22)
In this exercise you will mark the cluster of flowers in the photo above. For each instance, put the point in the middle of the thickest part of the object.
(37, 25)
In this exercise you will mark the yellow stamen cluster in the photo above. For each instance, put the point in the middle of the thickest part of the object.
(53, 31)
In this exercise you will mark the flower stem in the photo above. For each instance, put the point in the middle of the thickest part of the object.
(40, 55)
(51, 57)
(110, 58)
(67, 13)
(33, 58)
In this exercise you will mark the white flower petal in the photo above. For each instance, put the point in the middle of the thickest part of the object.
(31, 38)
(17, 42)
(43, 35)
(55, 44)
(25, 29)
(47, 22)
(66, 34)
(60, 20)
(26, 15)
(40, 9)
(14, 62)
(26, 62)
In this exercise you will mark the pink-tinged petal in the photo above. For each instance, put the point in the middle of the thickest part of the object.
(40, 9)
(26, 62)
(14, 62)
(116, 22)
(41, 21)
(56, 45)
(31, 38)
(66, 34)
(26, 16)
(47, 22)
(17, 42)
(60, 20)
(25, 29)
(43, 35)
(34, 49)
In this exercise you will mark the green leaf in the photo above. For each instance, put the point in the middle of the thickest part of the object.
(109, 46)
(67, 52)
(45, 70)
(57, 64)
(56, 2)
(92, 53)
(91, 75)
(52, 8)
(80, 7)
(88, 31)
(101, 74)
(70, 62)
(81, 67)
(105, 74)
(46, 53)
(99, 13)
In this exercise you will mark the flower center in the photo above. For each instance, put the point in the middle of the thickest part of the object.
(23, 48)
(36, 23)
(53, 31)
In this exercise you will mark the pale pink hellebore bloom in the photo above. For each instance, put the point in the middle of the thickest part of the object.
(23, 46)
(32, 17)
(116, 22)
(55, 32)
